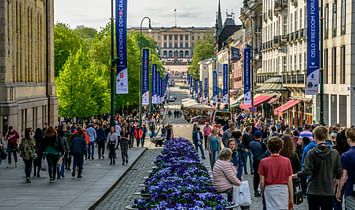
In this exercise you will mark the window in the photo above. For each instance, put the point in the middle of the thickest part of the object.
(181, 54)
(198, 37)
(176, 45)
(305, 60)
(170, 37)
(342, 65)
(343, 17)
(193, 38)
(334, 65)
(326, 21)
(181, 45)
(170, 45)
(186, 37)
(186, 45)
(170, 54)
(299, 61)
(165, 54)
(291, 21)
(186, 53)
(165, 46)
(295, 62)
(165, 37)
(284, 64)
(334, 29)
(301, 19)
(290, 63)
(296, 21)
(158, 37)
(176, 37)
(326, 63)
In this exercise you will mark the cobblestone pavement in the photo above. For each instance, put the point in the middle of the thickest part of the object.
(123, 194)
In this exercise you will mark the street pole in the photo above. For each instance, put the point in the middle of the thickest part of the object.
(229, 83)
(113, 63)
(140, 68)
(321, 68)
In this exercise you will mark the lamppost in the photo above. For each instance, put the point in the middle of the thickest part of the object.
(321, 69)
(140, 67)
(114, 62)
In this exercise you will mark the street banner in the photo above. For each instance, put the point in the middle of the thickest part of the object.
(225, 83)
(188, 78)
(195, 88)
(162, 90)
(191, 84)
(206, 90)
(200, 92)
(214, 87)
(121, 43)
(145, 87)
(154, 84)
(235, 54)
(312, 47)
(247, 93)
(158, 87)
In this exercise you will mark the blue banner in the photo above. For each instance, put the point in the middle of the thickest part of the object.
(312, 47)
(225, 83)
(247, 93)
(155, 83)
(188, 78)
(162, 90)
(206, 90)
(121, 44)
(191, 84)
(195, 88)
(200, 95)
(145, 87)
(235, 54)
(214, 87)
(158, 87)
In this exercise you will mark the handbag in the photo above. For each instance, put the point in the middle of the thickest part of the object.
(3, 154)
(34, 156)
(298, 193)
(241, 194)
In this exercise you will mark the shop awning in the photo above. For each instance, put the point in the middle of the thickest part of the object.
(235, 105)
(273, 100)
(257, 100)
(289, 104)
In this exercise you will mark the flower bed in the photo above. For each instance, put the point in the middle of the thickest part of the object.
(179, 181)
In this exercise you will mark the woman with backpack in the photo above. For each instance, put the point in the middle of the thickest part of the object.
(51, 151)
(28, 152)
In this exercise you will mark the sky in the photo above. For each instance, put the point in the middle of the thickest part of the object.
(96, 13)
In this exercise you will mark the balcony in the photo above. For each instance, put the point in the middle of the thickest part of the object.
(277, 6)
(277, 40)
(284, 39)
(293, 79)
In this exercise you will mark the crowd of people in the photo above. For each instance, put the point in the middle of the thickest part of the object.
(318, 160)
(66, 147)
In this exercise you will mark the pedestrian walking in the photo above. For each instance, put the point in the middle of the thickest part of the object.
(101, 138)
(207, 129)
(227, 134)
(90, 131)
(112, 144)
(323, 166)
(28, 152)
(236, 157)
(246, 139)
(51, 151)
(276, 177)
(197, 140)
(214, 146)
(259, 151)
(63, 141)
(39, 150)
(12, 138)
(138, 134)
(348, 177)
(78, 148)
(169, 132)
(144, 134)
(288, 150)
(124, 144)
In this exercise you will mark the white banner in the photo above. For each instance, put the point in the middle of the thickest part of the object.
(122, 82)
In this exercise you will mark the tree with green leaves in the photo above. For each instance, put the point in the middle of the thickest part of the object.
(203, 50)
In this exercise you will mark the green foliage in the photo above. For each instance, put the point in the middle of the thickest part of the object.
(203, 50)
(83, 80)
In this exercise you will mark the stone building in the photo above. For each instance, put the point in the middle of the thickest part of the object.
(27, 88)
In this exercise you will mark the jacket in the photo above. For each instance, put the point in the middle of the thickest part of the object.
(226, 135)
(91, 133)
(224, 176)
(138, 133)
(237, 161)
(194, 137)
(27, 148)
(86, 136)
(258, 149)
(209, 143)
(64, 144)
(78, 146)
(101, 135)
(322, 164)
(246, 139)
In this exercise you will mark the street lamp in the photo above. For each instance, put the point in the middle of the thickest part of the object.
(140, 66)
(321, 94)
(114, 62)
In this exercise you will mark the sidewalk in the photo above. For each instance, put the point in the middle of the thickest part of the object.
(67, 193)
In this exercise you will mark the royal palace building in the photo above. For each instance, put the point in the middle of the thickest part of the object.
(27, 89)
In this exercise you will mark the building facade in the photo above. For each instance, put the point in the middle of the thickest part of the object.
(177, 42)
(27, 88)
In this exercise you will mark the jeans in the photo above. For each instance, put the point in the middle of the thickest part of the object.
(256, 178)
(138, 142)
(317, 202)
(142, 140)
(130, 142)
(199, 145)
(112, 153)
(350, 202)
(91, 149)
(28, 167)
(52, 165)
(60, 170)
(124, 151)
(101, 148)
(78, 161)
(205, 137)
(250, 155)
(213, 158)
(12, 148)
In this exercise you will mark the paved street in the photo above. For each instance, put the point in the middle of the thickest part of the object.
(67, 193)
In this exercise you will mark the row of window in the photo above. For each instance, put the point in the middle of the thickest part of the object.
(333, 31)
(177, 46)
(333, 65)
(181, 54)
(176, 37)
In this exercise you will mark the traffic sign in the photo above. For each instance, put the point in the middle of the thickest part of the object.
(253, 109)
